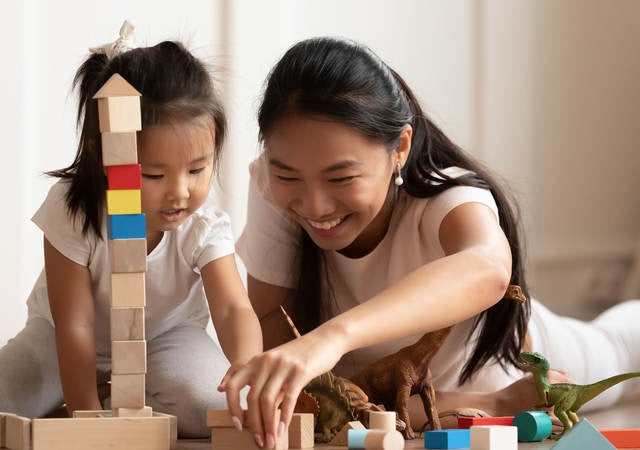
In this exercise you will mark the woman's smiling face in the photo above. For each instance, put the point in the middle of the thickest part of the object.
(332, 180)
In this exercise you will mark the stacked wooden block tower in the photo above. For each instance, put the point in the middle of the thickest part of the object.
(130, 424)
(119, 111)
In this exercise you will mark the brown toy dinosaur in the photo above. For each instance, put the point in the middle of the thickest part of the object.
(393, 379)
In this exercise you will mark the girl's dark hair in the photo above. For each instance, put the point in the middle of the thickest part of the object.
(175, 87)
(346, 82)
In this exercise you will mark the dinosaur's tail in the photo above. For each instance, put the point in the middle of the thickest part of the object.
(593, 390)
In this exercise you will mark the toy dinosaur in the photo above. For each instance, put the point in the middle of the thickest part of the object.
(393, 379)
(338, 401)
(565, 398)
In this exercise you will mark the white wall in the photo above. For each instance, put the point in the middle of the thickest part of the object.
(544, 91)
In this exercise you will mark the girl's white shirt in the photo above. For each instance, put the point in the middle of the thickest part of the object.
(269, 245)
(174, 290)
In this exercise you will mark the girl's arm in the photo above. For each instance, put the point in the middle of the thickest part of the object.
(235, 321)
(472, 276)
(71, 302)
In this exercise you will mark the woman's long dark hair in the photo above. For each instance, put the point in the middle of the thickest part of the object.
(175, 87)
(346, 82)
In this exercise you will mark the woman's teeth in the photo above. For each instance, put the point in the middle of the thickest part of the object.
(325, 225)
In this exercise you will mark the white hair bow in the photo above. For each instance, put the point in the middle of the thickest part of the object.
(121, 45)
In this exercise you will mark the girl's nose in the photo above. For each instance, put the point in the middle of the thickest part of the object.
(178, 189)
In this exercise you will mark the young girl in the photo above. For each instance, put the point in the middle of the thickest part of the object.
(189, 246)
(373, 228)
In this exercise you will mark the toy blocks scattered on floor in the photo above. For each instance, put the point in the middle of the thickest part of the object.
(224, 435)
(583, 435)
(468, 422)
(382, 420)
(629, 438)
(454, 438)
(493, 437)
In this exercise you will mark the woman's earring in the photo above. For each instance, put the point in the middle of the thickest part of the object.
(398, 180)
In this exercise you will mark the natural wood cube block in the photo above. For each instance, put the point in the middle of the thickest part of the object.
(127, 324)
(127, 391)
(118, 114)
(119, 148)
(301, 431)
(128, 290)
(126, 176)
(232, 439)
(124, 201)
(128, 357)
(128, 255)
(18, 432)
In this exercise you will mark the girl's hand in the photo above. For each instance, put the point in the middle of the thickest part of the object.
(276, 378)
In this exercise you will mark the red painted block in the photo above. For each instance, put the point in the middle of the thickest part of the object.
(124, 177)
(468, 422)
(623, 438)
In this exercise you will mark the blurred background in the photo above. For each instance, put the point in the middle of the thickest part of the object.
(546, 92)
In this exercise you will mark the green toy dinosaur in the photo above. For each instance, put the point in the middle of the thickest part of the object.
(565, 398)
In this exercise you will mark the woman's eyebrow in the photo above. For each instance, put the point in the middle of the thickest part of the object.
(332, 168)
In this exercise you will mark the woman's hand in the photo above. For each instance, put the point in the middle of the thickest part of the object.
(276, 378)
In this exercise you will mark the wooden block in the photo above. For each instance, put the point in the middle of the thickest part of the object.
(301, 430)
(127, 391)
(127, 324)
(356, 437)
(119, 149)
(128, 357)
(128, 290)
(533, 426)
(116, 86)
(232, 439)
(83, 414)
(583, 435)
(173, 421)
(3, 430)
(131, 433)
(219, 418)
(468, 422)
(383, 440)
(119, 114)
(494, 437)
(18, 432)
(133, 412)
(341, 438)
(127, 176)
(456, 438)
(623, 438)
(128, 255)
(124, 201)
(382, 420)
(127, 226)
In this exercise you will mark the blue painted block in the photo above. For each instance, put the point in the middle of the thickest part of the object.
(533, 426)
(583, 436)
(454, 438)
(355, 438)
(127, 226)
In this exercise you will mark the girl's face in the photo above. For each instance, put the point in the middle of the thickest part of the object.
(333, 181)
(177, 170)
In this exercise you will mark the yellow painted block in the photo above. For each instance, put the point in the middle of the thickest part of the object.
(124, 201)
(127, 290)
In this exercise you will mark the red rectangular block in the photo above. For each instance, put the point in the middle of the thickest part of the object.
(623, 438)
(124, 177)
(468, 422)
